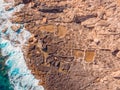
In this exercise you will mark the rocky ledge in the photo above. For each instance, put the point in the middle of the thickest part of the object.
(74, 43)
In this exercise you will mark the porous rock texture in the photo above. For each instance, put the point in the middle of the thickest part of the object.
(75, 44)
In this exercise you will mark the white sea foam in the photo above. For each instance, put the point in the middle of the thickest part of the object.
(19, 74)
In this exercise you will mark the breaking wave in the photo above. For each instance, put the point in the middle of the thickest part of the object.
(11, 43)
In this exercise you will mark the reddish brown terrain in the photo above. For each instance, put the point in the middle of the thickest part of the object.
(75, 44)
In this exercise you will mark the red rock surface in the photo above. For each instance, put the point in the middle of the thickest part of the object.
(75, 43)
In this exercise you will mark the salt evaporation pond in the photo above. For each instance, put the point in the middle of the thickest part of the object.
(14, 74)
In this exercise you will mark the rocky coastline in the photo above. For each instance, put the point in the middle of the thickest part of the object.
(74, 43)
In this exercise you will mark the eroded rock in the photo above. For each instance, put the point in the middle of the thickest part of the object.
(15, 27)
(74, 44)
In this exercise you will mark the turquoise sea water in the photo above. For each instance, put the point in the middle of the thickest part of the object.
(14, 73)
(4, 78)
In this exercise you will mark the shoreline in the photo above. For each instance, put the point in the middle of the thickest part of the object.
(12, 38)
